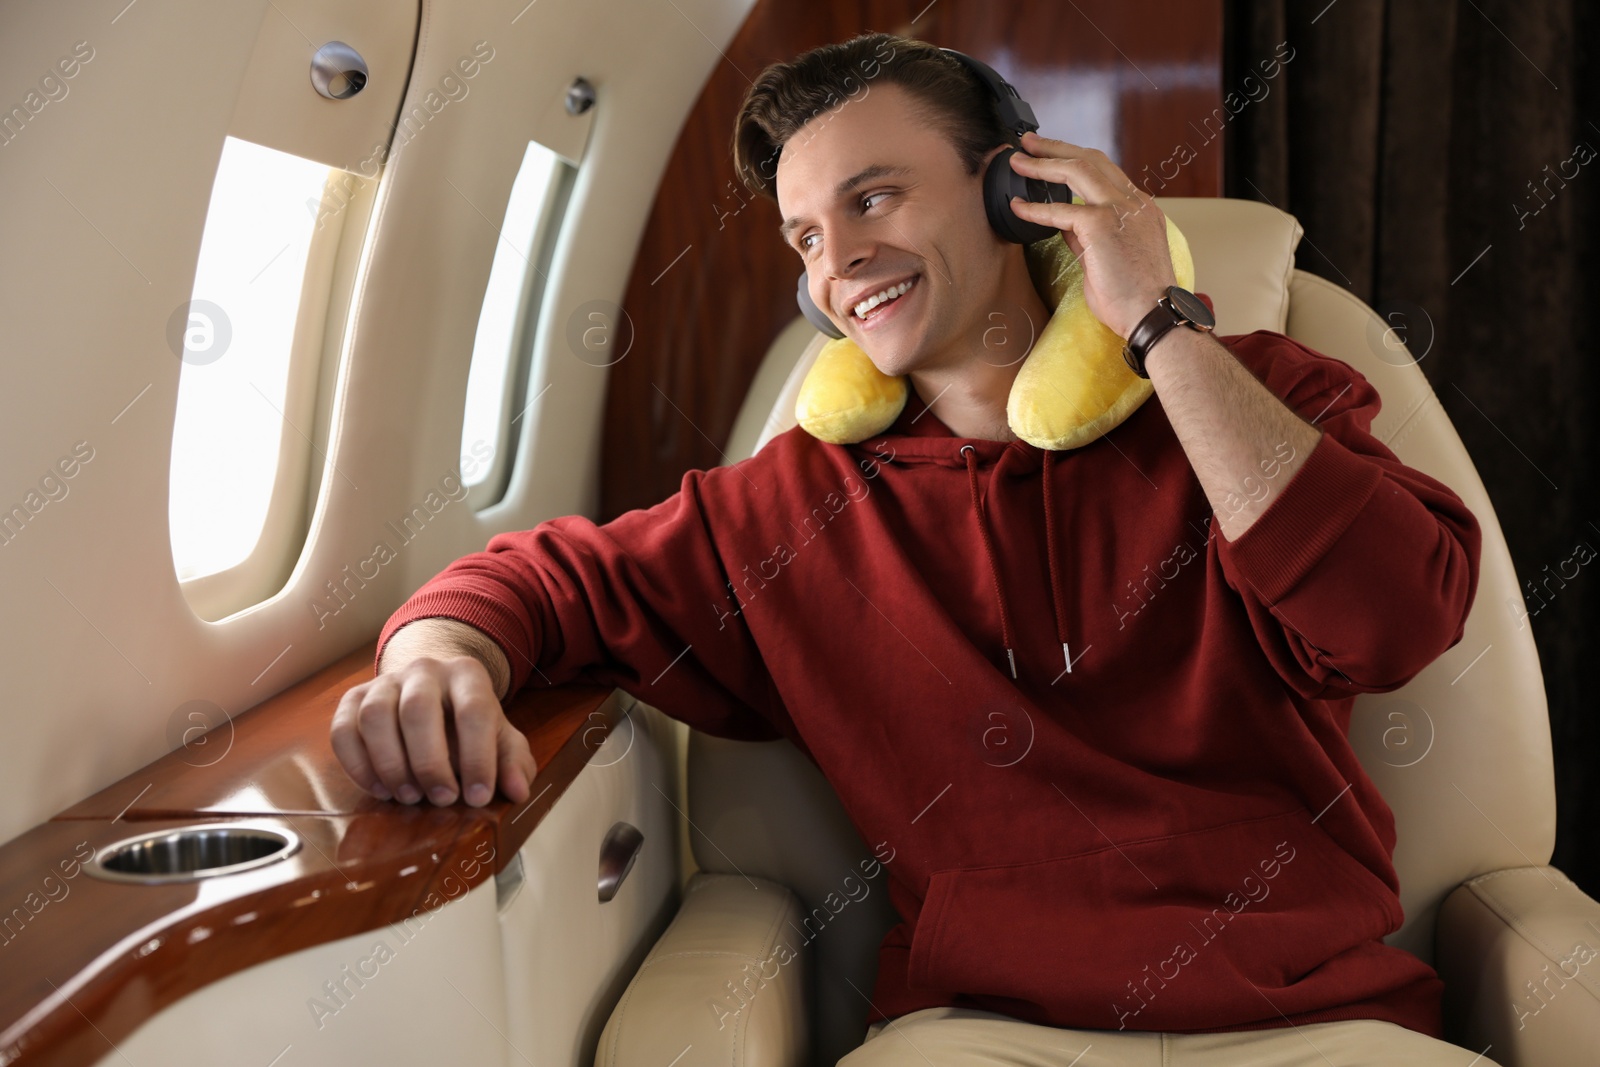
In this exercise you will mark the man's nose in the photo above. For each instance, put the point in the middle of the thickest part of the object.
(844, 255)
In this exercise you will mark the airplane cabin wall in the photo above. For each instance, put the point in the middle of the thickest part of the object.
(107, 189)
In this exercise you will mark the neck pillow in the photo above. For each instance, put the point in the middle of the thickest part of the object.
(1072, 387)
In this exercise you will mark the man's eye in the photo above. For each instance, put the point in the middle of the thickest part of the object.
(804, 248)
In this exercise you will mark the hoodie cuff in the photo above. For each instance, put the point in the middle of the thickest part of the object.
(1304, 521)
(509, 628)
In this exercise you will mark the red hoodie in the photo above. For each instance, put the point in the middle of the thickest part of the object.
(1173, 834)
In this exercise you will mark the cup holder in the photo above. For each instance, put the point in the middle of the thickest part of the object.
(186, 853)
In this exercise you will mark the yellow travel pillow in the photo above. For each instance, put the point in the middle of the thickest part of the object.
(1073, 386)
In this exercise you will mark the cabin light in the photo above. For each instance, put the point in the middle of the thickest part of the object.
(580, 96)
(337, 71)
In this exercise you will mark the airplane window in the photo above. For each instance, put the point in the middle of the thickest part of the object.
(496, 405)
(236, 344)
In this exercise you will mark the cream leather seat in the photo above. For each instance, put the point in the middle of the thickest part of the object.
(1461, 753)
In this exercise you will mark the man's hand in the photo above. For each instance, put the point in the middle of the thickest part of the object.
(392, 734)
(1118, 231)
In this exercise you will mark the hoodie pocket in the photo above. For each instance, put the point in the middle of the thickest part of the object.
(1184, 931)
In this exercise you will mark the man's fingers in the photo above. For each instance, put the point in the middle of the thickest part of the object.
(345, 735)
(422, 726)
(478, 721)
(408, 731)
(517, 767)
(377, 722)
(1098, 179)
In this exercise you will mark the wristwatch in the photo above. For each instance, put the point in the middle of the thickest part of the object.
(1176, 306)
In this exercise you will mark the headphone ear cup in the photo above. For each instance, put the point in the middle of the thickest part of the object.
(814, 315)
(1001, 183)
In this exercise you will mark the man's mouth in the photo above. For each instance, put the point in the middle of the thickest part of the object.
(868, 310)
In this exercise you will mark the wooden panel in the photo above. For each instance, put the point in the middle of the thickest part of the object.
(713, 285)
(280, 759)
(87, 961)
(94, 965)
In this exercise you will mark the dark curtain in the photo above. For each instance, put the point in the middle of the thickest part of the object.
(1442, 158)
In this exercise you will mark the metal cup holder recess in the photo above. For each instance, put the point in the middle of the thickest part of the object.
(187, 853)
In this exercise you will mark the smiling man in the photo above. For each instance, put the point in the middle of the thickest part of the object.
(917, 222)
(1186, 864)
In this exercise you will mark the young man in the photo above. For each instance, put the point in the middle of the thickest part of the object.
(1096, 700)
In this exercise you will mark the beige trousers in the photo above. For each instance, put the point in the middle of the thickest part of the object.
(966, 1037)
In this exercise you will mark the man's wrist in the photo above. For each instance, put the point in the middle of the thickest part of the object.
(439, 637)
(1134, 313)
(1187, 336)
(1156, 346)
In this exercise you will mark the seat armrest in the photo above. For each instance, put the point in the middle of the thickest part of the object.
(1519, 952)
(725, 978)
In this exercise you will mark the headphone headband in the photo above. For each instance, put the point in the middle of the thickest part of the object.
(1016, 114)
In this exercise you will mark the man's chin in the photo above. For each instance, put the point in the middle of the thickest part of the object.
(893, 362)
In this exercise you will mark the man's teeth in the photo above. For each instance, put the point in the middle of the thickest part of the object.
(884, 297)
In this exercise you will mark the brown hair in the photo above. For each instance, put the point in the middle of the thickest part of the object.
(786, 96)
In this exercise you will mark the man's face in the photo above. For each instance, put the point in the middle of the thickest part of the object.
(922, 219)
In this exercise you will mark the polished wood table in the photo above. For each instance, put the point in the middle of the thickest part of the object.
(84, 961)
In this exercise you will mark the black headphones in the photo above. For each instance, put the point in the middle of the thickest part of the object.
(1000, 183)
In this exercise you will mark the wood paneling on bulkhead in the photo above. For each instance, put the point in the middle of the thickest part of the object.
(712, 284)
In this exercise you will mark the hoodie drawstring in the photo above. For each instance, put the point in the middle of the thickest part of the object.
(970, 453)
(1056, 599)
(988, 547)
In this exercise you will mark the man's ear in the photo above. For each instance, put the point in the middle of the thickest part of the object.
(995, 151)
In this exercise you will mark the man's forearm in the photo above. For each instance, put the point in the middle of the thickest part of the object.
(1228, 423)
(441, 637)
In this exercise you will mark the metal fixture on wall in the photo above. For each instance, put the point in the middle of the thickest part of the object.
(337, 71)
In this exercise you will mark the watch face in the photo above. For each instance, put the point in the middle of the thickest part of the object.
(1191, 306)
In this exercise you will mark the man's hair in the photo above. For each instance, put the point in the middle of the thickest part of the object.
(786, 96)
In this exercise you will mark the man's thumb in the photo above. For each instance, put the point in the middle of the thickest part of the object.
(515, 764)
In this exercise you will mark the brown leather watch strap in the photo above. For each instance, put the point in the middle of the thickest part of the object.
(1157, 321)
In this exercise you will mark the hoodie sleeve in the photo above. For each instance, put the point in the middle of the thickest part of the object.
(640, 603)
(1361, 571)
